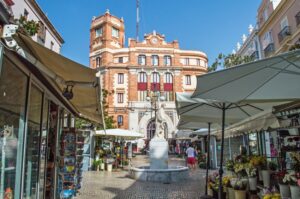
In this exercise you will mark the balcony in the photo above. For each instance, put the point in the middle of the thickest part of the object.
(254, 55)
(269, 49)
(297, 18)
(286, 31)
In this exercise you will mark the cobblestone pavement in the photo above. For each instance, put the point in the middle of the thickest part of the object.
(107, 185)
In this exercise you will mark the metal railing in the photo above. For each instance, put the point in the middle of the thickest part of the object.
(286, 31)
(269, 49)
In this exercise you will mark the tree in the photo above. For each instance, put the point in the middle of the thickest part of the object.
(230, 60)
(109, 120)
(30, 27)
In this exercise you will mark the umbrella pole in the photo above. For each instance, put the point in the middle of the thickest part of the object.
(222, 150)
(208, 160)
(207, 165)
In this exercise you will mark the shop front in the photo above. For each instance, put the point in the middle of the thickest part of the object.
(33, 115)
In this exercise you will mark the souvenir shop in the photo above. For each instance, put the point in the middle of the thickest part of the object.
(40, 94)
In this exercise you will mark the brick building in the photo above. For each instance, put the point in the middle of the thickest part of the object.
(132, 73)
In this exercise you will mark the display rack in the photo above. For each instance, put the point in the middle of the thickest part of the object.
(67, 164)
(79, 159)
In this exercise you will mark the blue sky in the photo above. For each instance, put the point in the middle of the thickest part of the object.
(212, 26)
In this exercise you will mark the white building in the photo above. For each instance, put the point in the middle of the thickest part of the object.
(47, 35)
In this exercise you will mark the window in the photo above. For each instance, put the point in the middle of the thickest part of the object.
(98, 61)
(142, 60)
(99, 31)
(115, 32)
(51, 45)
(198, 62)
(265, 14)
(168, 78)
(186, 61)
(187, 80)
(284, 23)
(120, 60)
(12, 118)
(155, 77)
(142, 95)
(120, 78)
(167, 60)
(26, 13)
(120, 97)
(32, 145)
(297, 18)
(120, 120)
(142, 77)
(154, 60)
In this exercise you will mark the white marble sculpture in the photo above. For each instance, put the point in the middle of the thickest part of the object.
(160, 121)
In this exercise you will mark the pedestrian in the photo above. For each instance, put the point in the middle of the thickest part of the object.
(191, 156)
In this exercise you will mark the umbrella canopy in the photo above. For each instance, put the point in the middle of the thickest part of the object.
(272, 79)
(261, 121)
(184, 123)
(119, 133)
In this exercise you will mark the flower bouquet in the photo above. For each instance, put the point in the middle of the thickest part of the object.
(291, 179)
(251, 173)
(240, 189)
(270, 194)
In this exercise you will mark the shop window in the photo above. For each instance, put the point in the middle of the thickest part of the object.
(142, 60)
(13, 89)
(43, 148)
(167, 60)
(32, 143)
(120, 120)
(115, 32)
(120, 78)
(188, 80)
(120, 97)
(154, 60)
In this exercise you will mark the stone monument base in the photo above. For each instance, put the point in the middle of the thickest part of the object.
(159, 148)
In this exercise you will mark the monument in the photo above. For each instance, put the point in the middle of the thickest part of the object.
(159, 170)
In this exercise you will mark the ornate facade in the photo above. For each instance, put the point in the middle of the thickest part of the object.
(132, 73)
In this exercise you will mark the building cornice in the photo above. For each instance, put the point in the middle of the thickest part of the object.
(36, 7)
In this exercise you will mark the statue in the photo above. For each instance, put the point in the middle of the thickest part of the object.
(160, 121)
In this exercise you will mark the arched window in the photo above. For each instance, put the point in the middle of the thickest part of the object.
(154, 60)
(142, 86)
(151, 129)
(98, 62)
(155, 85)
(168, 87)
(167, 60)
(142, 60)
(120, 120)
(142, 78)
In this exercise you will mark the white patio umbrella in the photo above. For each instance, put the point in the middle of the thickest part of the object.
(212, 111)
(127, 134)
(272, 79)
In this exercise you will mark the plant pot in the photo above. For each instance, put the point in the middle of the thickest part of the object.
(230, 193)
(266, 177)
(109, 167)
(245, 182)
(216, 194)
(285, 191)
(295, 191)
(252, 183)
(240, 194)
(102, 166)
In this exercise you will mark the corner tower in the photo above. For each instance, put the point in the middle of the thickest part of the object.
(106, 33)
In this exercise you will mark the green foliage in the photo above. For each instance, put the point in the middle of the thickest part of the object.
(230, 60)
(81, 123)
(295, 47)
(31, 27)
(109, 120)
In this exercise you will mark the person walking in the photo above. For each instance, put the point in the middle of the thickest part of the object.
(191, 156)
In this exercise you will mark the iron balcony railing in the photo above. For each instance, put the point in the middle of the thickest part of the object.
(286, 31)
(269, 49)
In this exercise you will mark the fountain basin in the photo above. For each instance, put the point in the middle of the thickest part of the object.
(172, 174)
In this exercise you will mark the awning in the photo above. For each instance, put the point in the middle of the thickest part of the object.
(265, 120)
(119, 133)
(63, 71)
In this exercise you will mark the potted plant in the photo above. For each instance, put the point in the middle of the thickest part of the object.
(292, 180)
(230, 166)
(227, 187)
(266, 174)
(258, 162)
(240, 189)
(270, 194)
(96, 165)
(283, 185)
(251, 172)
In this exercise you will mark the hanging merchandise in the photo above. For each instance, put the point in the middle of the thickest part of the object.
(79, 159)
